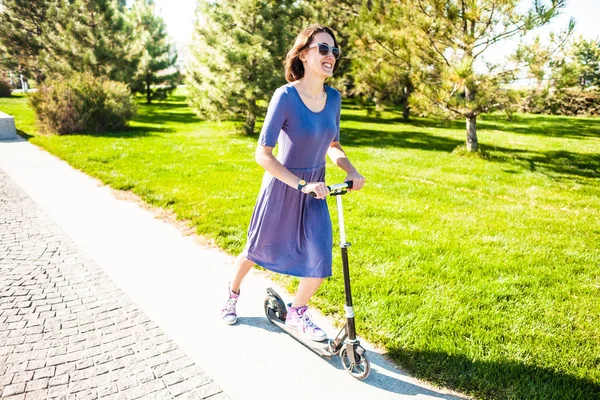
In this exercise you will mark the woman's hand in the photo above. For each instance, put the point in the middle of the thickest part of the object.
(319, 188)
(358, 181)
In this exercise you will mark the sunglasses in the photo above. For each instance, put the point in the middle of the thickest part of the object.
(324, 50)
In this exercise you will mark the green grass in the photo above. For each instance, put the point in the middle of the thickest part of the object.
(476, 273)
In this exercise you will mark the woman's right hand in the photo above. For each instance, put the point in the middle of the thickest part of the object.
(319, 188)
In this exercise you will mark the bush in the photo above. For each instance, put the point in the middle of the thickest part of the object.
(82, 103)
(4, 88)
(565, 101)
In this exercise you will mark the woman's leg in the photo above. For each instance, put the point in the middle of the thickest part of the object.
(242, 266)
(229, 312)
(306, 289)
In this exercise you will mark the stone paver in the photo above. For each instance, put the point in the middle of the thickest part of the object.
(67, 330)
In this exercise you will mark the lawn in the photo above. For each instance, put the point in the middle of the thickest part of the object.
(479, 273)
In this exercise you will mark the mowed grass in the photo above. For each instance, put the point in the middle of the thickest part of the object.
(477, 273)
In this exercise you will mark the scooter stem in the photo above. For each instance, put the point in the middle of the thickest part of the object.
(350, 327)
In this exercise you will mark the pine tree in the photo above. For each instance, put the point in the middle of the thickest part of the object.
(237, 54)
(158, 54)
(382, 61)
(445, 38)
(92, 36)
(23, 28)
(450, 36)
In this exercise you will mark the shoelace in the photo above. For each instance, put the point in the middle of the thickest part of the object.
(230, 306)
(308, 322)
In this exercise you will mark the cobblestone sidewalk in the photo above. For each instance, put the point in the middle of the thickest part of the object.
(67, 331)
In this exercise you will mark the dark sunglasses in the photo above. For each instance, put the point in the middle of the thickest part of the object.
(324, 50)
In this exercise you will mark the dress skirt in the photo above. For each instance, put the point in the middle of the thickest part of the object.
(290, 232)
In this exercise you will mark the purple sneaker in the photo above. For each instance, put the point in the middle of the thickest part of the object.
(299, 319)
(228, 313)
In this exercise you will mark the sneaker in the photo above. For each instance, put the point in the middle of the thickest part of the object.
(228, 313)
(299, 319)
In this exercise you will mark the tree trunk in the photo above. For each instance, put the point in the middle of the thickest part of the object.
(148, 92)
(249, 123)
(472, 144)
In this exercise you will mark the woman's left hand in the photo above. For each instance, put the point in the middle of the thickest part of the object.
(358, 181)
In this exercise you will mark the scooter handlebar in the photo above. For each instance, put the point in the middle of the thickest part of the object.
(333, 190)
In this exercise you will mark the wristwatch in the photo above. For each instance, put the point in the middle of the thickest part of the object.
(301, 184)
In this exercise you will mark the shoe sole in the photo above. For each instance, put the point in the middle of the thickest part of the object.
(232, 322)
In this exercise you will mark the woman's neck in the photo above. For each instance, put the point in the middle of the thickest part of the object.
(311, 85)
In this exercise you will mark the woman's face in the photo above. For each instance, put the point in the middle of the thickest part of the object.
(316, 64)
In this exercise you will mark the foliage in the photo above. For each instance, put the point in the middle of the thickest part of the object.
(578, 66)
(5, 89)
(382, 60)
(156, 76)
(82, 103)
(436, 44)
(564, 101)
(91, 36)
(23, 29)
(237, 54)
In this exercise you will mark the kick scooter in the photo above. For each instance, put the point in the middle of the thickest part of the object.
(345, 344)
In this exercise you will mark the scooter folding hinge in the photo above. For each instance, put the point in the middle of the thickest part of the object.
(349, 312)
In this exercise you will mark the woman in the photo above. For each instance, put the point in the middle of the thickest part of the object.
(290, 231)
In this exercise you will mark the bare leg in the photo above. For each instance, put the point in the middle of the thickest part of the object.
(242, 266)
(306, 289)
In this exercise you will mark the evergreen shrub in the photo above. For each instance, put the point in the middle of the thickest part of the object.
(82, 103)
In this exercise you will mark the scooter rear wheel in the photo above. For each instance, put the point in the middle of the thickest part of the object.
(361, 369)
(276, 306)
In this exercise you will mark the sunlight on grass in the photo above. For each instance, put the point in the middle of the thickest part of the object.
(477, 273)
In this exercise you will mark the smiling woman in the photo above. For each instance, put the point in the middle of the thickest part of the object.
(290, 231)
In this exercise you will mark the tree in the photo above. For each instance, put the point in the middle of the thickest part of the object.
(578, 66)
(382, 60)
(155, 76)
(237, 53)
(446, 38)
(91, 36)
(23, 28)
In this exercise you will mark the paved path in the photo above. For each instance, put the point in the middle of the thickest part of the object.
(66, 329)
(176, 287)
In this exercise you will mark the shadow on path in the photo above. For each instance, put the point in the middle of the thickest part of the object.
(384, 375)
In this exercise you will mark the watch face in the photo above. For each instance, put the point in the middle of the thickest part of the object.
(302, 182)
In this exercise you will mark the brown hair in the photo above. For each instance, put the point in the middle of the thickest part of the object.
(294, 69)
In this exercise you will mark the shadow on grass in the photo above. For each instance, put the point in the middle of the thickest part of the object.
(400, 139)
(495, 379)
(561, 162)
(558, 162)
(544, 125)
(173, 110)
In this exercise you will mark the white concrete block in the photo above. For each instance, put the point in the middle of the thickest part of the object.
(8, 130)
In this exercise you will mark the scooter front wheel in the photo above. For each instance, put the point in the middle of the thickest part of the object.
(359, 370)
(276, 307)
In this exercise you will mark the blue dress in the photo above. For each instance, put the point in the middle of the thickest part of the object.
(290, 232)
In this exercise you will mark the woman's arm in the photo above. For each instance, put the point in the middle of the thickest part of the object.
(337, 154)
(265, 158)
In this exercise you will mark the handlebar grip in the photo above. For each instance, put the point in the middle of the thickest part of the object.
(313, 194)
(348, 184)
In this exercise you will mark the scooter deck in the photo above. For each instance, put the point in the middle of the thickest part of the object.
(320, 348)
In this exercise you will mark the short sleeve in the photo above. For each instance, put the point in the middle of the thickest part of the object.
(277, 114)
(337, 119)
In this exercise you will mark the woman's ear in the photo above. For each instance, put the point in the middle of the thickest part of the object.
(302, 57)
